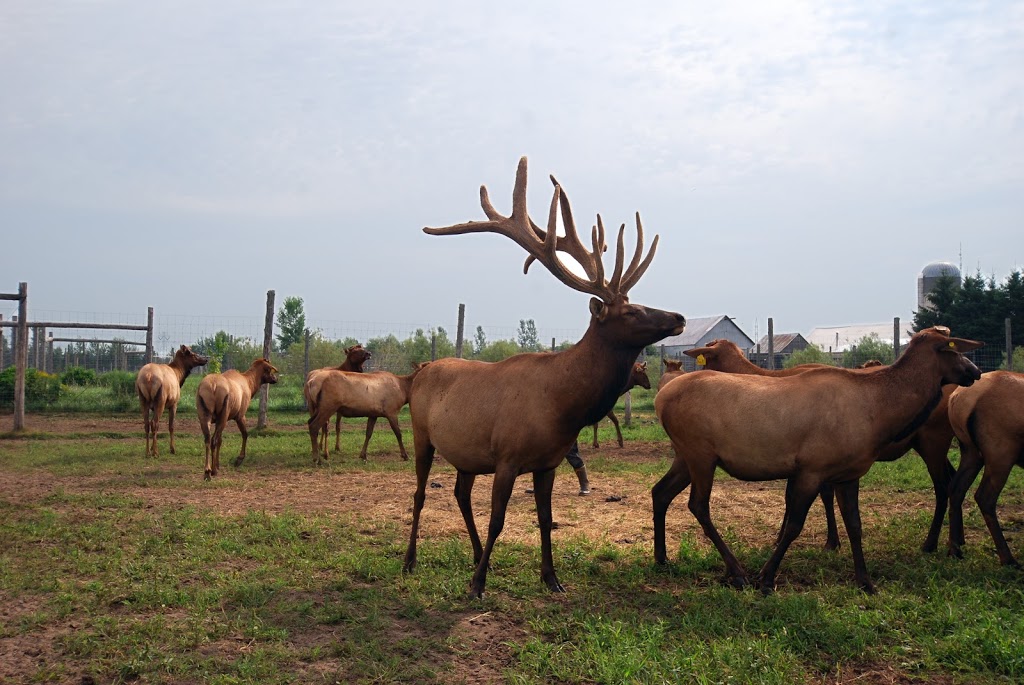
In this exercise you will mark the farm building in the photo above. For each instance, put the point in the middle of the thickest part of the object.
(842, 338)
(785, 344)
(699, 332)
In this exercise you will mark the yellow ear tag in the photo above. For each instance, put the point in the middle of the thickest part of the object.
(701, 361)
(952, 344)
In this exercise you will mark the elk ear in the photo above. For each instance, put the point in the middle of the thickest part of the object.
(183, 348)
(961, 345)
(643, 366)
(598, 308)
(695, 352)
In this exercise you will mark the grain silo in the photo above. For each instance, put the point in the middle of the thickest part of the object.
(930, 275)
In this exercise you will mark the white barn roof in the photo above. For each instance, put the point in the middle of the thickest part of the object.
(842, 338)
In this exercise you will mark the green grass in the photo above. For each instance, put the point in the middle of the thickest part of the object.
(125, 591)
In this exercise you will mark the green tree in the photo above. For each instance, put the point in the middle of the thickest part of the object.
(291, 323)
(812, 354)
(868, 347)
(480, 341)
(527, 336)
(498, 350)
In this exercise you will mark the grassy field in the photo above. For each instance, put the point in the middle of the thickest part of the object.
(117, 568)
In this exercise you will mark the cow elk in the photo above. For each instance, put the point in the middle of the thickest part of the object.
(638, 377)
(159, 385)
(988, 419)
(370, 395)
(673, 369)
(355, 357)
(931, 440)
(825, 425)
(522, 414)
(226, 396)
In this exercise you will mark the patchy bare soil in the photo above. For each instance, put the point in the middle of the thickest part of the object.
(618, 512)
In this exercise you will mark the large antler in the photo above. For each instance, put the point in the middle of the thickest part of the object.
(543, 246)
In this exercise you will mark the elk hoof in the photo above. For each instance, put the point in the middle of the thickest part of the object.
(766, 585)
(172, 450)
(207, 475)
(554, 585)
(868, 587)
(237, 462)
(831, 545)
(929, 546)
(737, 582)
(955, 552)
(409, 566)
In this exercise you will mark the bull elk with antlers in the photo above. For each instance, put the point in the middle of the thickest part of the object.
(522, 414)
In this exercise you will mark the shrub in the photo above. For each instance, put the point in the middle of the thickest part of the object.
(77, 375)
(812, 354)
(41, 388)
(121, 384)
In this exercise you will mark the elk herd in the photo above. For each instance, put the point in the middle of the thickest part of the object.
(819, 428)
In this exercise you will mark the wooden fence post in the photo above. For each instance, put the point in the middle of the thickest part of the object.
(433, 346)
(460, 331)
(552, 344)
(1009, 346)
(771, 343)
(21, 358)
(305, 364)
(149, 336)
(268, 336)
(895, 338)
(1, 344)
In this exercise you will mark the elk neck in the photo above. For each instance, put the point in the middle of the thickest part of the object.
(252, 376)
(180, 368)
(911, 389)
(597, 371)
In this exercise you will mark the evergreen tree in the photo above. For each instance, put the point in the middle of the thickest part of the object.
(527, 336)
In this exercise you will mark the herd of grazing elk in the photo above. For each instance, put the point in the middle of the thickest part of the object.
(818, 427)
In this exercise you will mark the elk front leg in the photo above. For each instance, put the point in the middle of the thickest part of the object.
(145, 421)
(800, 494)
(942, 473)
(424, 460)
(463, 495)
(703, 477)
(618, 431)
(672, 483)
(172, 410)
(827, 494)
(240, 422)
(543, 484)
(849, 506)
(504, 480)
(204, 424)
(315, 441)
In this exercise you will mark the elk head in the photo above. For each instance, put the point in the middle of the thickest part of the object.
(357, 355)
(267, 372)
(619, 323)
(707, 356)
(189, 359)
(640, 375)
(956, 368)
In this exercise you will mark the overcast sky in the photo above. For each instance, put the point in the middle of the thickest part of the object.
(799, 160)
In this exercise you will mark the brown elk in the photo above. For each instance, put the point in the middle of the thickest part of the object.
(370, 395)
(988, 419)
(224, 396)
(521, 415)
(159, 385)
(931, 440)
(673, 369)
(823, 426)
(355, 357)
(638, 377)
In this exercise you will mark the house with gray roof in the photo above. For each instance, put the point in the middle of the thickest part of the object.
(783, 345)
(700, 331)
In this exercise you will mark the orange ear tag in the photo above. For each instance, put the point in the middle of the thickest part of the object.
(701, 361)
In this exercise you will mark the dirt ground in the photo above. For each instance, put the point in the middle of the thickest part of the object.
(618, 512)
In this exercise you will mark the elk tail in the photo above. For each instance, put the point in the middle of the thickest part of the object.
(972, 428)
(309, 422)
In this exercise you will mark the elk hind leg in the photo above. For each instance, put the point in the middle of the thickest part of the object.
(393, 422)
(703, 476)
(971, 464)
(424, 460)
(463, 495)
(240, 422)
(672, 483)
(543, 484)
(504, 480)
(370, 423)
(997, 470)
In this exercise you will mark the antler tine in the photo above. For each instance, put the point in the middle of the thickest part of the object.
(597, 239)
(620, 257)
(633, 274)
